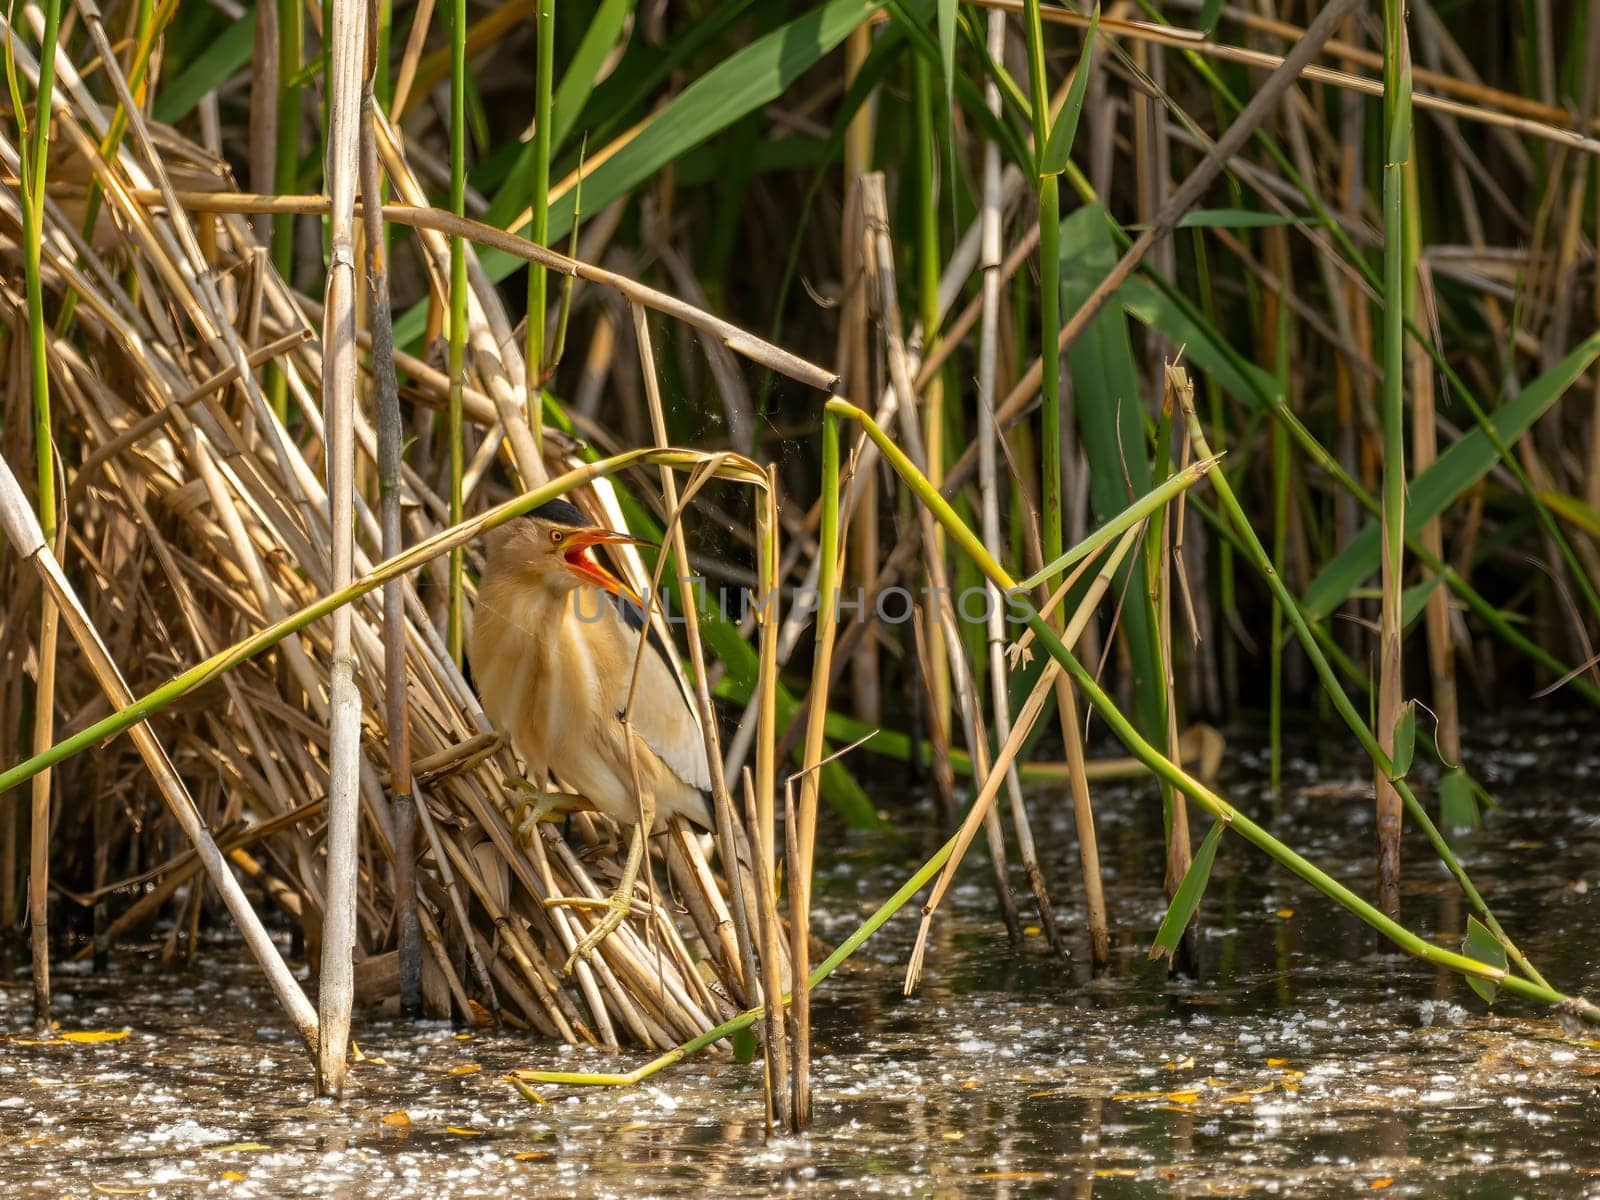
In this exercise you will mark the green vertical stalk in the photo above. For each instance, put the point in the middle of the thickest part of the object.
(33, 159)
(544, 73)
(803, 834)
(139, 61)
(1050, 295)
(382, 85)
(923, 133)
(1397, 257)
(458, 304)
(1280, 534)
(291, 43)
(1217, 412)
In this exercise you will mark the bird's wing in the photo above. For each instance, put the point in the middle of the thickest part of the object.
(662, 712)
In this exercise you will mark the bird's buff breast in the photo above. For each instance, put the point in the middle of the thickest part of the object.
(538, 682)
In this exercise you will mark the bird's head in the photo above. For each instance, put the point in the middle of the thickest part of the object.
(550, 547)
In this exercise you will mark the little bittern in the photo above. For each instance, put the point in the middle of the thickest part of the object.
(554, 640)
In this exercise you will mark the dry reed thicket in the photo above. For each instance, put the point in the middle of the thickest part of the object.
(265, 486)
(194, 519)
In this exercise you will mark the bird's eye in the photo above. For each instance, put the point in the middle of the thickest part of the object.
(556, 535)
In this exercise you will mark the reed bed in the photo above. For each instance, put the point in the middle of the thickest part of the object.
(1141, 321)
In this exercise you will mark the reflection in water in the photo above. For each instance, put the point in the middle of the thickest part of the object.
(1304, 1062)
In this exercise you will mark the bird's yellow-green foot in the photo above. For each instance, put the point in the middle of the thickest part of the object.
(621, 901)
(535, 805)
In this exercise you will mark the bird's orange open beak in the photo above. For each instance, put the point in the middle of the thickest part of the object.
(577, 557)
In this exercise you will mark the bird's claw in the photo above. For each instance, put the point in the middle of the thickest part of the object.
(533, 807)
(617, 909)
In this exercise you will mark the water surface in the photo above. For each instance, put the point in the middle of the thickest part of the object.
(1302, 1062)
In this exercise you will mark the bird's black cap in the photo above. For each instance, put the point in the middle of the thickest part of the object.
(561, 512)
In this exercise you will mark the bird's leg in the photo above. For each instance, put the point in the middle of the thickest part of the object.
(536, 805)
(621, 902)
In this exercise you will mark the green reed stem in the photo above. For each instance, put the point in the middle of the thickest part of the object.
(1534, 987)
(1398, 265)
(544, 73)
(1280, 540)
(34, 158)
(1049, 191)
(144, 42)
(458, 314)
(291, 45)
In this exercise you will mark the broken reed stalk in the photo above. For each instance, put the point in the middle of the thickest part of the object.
(386, 404)
(802, 830)
(1532, 987)
(1397, 258)
(35, 144)
(336, 989)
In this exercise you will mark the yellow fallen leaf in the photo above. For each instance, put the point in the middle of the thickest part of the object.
(463, 1037)
(463, 1131)
(1187, 1097)
(89, 1037)
(533, 1155)
(951, 1135)
(1284, 914)
(1116, 1173)
(1139, 1096)
(239, 1147)
(1382, 1181)
(107, 1190)
(1182, 1064)
(968, 1084)
(399, 1117)
(1237, 1098)
(1031, 931)
(37, 1041)
(466, 1069)
(233, 1176)
(1277, 1062)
